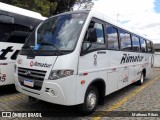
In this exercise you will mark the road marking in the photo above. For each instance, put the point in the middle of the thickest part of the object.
(157, 69)
(125, 99)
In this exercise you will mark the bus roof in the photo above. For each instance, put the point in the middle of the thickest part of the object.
(20, 11)
(98, 14)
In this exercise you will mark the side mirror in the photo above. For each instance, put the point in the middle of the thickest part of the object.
(92, 35)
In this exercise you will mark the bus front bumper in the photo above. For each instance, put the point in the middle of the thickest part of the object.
(52, 91)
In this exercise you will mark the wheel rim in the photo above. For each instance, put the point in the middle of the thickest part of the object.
(91, 100)
(142, 78)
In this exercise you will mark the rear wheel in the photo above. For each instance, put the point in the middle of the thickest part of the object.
(90, 102)
(140, 82)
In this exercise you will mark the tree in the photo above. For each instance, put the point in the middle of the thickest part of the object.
(84, 4)
(63, 5)
(6, 1)
(41, 6)
(46, 7)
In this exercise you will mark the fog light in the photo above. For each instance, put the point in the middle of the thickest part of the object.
(53, 92)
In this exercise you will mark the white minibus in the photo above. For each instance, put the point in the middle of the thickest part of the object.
(79, 57)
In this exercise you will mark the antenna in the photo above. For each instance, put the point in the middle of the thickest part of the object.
(118, 16)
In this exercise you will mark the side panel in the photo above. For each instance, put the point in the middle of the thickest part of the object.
(148, 65)
(111, 82)
(125, 75)
(7, 74)
(117, 68)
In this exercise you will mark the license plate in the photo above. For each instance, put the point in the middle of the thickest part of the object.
(29, 83)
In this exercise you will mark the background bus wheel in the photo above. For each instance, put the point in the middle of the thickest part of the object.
(140, 82)
(90, 102)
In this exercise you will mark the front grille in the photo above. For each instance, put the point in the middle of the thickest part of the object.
(29, 74)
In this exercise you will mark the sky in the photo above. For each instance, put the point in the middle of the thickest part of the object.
(141, 15)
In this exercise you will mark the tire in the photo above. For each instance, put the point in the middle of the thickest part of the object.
(90, 102)
(140, 82)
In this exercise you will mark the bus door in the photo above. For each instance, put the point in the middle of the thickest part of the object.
(93, 57)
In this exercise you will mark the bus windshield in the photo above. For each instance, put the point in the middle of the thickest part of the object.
(58, 33)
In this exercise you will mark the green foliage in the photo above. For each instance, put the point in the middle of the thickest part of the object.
(45, 7)
(41, 6)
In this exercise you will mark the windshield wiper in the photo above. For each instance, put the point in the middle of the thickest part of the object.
(45, 43)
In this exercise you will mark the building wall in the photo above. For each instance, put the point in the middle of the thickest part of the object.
(157, 59)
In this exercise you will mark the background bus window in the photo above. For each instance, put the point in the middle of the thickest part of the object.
(149, 46)
(16, 37)
(125, 39)
(143, 45)
(135, 43)
(112, 36)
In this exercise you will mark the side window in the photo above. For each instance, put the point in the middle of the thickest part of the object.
(100, 41)
(112, 37)
(135, 43)
(149, 46)
(143, 45)
(100, 34)
(125, 39)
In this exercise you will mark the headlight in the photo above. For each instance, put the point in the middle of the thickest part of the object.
(56, 74)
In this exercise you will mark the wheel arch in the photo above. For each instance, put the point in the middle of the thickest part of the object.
(101, 87)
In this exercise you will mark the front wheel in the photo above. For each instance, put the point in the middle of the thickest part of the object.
(90, 102)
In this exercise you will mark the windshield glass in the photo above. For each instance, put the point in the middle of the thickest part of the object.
(59, 32)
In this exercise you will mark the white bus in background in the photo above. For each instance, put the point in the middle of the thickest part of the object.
(77, 58)
(17, 19)
(16, 24)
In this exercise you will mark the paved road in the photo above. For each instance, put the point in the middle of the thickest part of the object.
(132, 98)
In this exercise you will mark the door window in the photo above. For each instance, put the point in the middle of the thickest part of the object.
(100, 41)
